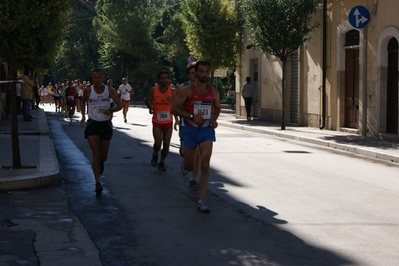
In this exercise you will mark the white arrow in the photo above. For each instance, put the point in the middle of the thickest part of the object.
(359, 18)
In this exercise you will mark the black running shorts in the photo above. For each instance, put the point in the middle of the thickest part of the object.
(103, 129)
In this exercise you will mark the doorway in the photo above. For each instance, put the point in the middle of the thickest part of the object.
(352, 88)
(392, 87)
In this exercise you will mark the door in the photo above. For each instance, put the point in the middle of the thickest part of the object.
(352, 88)
(392, 87)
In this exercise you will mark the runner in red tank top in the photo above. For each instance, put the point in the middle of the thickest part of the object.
(201, 104)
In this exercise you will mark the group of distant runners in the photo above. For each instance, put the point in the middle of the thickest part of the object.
(193, 108)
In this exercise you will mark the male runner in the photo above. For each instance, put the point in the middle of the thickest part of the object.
(98, 129)
(125, 90)
(201, 103)
(159, 101)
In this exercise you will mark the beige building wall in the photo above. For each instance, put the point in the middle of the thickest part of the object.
(373, 69)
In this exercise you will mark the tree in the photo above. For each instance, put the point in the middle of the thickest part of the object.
(173, 48)
(279, 27)
(78, 53)
(212, 29)
(28, 36)
(125, 27)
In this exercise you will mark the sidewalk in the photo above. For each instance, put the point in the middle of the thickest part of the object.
(38, 158)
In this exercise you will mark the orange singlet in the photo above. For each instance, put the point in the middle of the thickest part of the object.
(161, 105)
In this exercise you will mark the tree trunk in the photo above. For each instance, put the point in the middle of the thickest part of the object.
(16, 156)
(283, 96)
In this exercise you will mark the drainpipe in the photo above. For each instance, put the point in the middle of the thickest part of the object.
(323, 86)
(365, 37)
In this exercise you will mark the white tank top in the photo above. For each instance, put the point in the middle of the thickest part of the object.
(98, 103)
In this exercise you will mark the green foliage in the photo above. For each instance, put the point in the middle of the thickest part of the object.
(172, 46)
(280, 26)
(33, 29)
(124, 29)
(212, 29)
(78, 53)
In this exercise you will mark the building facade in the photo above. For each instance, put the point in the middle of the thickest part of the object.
(361, 73)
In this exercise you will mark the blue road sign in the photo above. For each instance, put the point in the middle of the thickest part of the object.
(359, 17)
(190, 59)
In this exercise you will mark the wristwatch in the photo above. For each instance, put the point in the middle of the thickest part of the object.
(191, 116)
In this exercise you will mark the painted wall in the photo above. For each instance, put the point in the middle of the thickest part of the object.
(383, 26)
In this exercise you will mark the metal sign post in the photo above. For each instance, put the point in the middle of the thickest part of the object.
(359, 17)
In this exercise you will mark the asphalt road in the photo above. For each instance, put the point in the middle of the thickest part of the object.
(273, 202)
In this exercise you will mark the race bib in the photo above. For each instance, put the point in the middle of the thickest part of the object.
(163, 116)
(98, 112)
(204, 110)
(71, 98)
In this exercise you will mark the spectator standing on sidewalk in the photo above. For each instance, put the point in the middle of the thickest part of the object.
(231, 98)
(201, 103)
(159, 102)
(125, 90)
(19, 98)
(26, 95)
(247, 94)
(98, 128)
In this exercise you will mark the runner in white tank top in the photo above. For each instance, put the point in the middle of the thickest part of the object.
(98, 103)
(98, 128)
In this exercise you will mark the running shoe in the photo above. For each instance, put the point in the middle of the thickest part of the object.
(154, 160)
(161, 166)
(99, 188)
(101, 168)
(125, 120)
(192, 185)
(201, 207)
(183, 170)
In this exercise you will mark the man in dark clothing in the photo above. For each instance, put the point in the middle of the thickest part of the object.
(247, 94)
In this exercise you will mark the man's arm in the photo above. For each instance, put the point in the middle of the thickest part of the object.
(179, 100)
(148, 100)
(177, 122)
(114, 97)
(131, 91)
(216, 108)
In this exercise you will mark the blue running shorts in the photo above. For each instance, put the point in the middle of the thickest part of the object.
(192, 136)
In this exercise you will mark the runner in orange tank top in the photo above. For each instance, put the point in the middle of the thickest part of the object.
(159, 101)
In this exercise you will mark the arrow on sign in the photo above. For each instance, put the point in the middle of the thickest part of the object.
(359, 18)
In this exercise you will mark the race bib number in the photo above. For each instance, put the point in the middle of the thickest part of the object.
(204, 110)
(163, 115)
(99, 112)
(71, 98)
